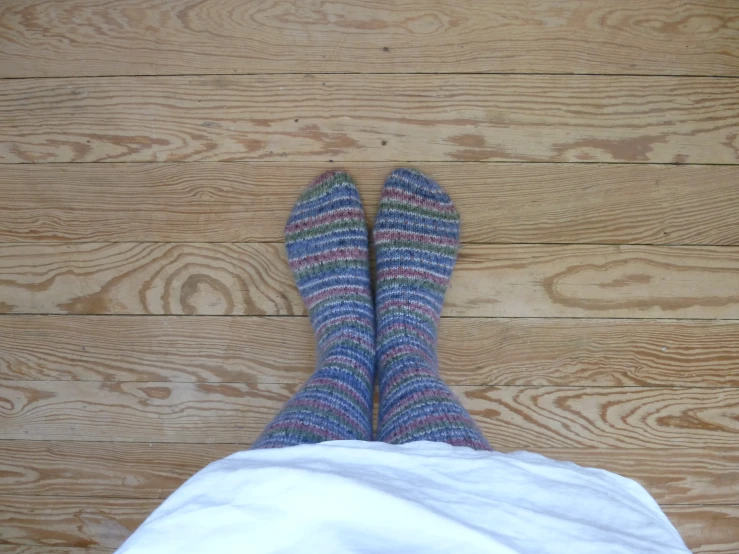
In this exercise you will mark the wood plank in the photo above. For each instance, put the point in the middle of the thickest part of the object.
(250, 202)
(117, 469)
(543, 417)
(70, 522)
(154, 470)
(595, 281)
(231, 413)
(534, 352)
(707, 529)
(589, 352)
(235, 413)
(130, 278)
(677, 476)
(489, 281)
(160, 348)
(65, 521)
(93, 37)
(15, 549)
(395, 118)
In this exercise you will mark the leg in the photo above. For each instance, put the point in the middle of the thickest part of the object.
(416, 238)
(326, 241)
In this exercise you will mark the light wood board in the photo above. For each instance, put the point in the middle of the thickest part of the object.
(63, 38)
(17, 549)
(390, 118)
(472, 351)
(511, 417)
(251, 201)
(254, 279)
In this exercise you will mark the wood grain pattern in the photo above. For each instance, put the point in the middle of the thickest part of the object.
(595, 281)
(253, 279)
(141, 348)
(154, 470)
(16, 549)
(398, 118)
(589, 352)
(70, 522)
(543, 417)
(146, 278)
(707, 529)
(115, 469)
(250, 202)
(678, 476)
(235, 413)
(77, 522)
(76, 37)
(139, 412)
(534, 352)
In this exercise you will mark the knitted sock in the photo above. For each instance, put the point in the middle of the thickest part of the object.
(326, 240)
(416, 238)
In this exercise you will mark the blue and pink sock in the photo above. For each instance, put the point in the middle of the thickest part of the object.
(326, 241)
(417, 238)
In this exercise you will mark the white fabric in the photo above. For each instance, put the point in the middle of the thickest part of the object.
(422, 497)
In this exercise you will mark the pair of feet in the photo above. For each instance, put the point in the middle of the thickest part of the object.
(391, 339)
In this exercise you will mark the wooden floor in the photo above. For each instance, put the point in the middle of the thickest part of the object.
(151, 152)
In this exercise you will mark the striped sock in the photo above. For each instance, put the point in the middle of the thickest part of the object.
(416, 237)
(326, 240)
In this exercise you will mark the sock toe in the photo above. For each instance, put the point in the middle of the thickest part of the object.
(331, 202)
(422, 185)
(414, 207)
(325, 182)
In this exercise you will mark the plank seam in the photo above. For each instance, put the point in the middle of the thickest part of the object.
(654, 319)
(384, 73)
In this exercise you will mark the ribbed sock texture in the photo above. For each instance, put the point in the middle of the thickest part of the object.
(416, 238)
(326, 241)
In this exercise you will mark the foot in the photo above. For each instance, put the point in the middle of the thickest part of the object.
(327, 250)
(416, 236)
(417, 239)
